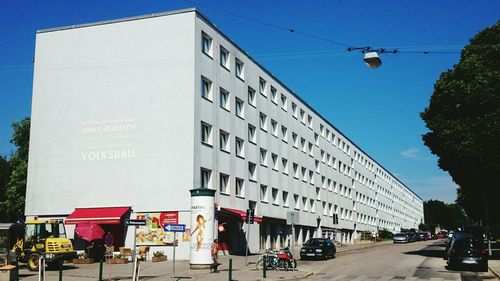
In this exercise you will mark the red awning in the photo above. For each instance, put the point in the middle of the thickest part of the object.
(97, 215)
(243, 214)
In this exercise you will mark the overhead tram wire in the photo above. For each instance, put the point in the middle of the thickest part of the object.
(350, 47)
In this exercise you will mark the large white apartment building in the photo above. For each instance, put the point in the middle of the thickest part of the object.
(136, 112)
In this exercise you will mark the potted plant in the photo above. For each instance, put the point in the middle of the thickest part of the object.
(158, 256)
(117, 259)
(82, 258)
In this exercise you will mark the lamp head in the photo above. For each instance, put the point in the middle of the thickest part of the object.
(372, 60)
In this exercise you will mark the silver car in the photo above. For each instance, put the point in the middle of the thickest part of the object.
(401, 238)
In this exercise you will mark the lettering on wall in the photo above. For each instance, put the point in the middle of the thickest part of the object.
(108, 139)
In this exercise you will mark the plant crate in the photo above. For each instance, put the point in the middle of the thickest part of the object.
(83, 261)
(117, 261)
(159, 258)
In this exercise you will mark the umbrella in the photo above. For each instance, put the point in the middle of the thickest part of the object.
(89, 231)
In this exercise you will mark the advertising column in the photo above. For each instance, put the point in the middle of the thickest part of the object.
(202, 227)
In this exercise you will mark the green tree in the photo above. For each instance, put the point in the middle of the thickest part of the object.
(463, 118)
(16, 187)
(4, 179)
(448, 216)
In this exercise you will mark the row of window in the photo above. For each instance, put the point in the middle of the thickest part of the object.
(282, 131)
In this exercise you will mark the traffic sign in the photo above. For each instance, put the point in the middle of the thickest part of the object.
(292, 217)
(135, 222)
(174, 227)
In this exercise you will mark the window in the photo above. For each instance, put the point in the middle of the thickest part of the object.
(318, 194)
(304, 203)
(284, 164)
(224, 58)
(322, 130)
(311, 177)
(284, 195)
(206, 44)
(294, 110)
(274, 160)
(263, 157)
(274, 95)
(224, 99)
(239, 147)
(304, 174)
(206, 133)
(224, 183)
(239, 187)
(323, 157)
(313, 205)
(263, 87)
(303, 144)
(302, 116)
(310, 121)
(263, 121)
(295, 167)
(224, 141)
(284, 104)
(251, 97)
(296, 201)
(295, 140)
(316, 165)
(284, 133)
(206, 88)
(274, 194)
(274, 128)
(311, 149)
(252, 136)
(205, 178)
(263, 193)
(239, 108)
(239, 69)
(316, 139)
(252, 171)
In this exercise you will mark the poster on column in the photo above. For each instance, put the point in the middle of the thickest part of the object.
(202, 229)
(152, 233)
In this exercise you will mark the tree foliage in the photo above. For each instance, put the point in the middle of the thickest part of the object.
(448, 216)
(12, 207)
(463, 118)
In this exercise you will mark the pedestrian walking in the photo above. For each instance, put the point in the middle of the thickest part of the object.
(214, 251)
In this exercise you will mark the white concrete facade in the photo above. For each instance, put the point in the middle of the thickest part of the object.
(137, 112)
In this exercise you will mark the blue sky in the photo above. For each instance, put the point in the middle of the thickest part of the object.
(377, 109)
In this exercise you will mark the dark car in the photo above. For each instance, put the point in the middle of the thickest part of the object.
(318, 248)
(401, 238)
(466, 249)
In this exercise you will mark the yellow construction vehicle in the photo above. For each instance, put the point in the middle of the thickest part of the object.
(41, 237)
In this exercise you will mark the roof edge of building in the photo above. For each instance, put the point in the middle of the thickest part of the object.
(153, 15)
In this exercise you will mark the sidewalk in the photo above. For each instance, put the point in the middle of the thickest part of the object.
(494, 261)
(163, 270)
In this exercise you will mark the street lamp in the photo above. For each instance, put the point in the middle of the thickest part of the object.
(372, 58)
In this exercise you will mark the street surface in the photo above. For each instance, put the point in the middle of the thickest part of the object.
(414, 261)
(382, 261)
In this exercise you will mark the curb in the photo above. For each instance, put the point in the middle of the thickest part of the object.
(494, 272)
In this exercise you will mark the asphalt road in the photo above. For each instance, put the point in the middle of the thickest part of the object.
(414, 261)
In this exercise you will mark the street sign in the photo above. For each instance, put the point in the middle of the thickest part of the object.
(131, 222)
(174, 227)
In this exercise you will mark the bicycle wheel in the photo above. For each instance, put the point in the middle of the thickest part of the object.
(282, 264)
(259, 265)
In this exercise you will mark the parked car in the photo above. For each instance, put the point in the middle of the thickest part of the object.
(401, 238)
(318, 248)
(466, 249)
(441, 235)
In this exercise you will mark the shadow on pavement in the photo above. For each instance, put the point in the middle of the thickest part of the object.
(431, 252)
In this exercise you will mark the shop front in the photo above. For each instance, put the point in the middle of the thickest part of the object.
(231, 232)
(110, 219)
